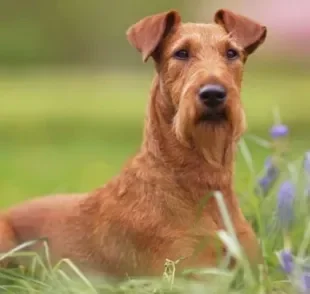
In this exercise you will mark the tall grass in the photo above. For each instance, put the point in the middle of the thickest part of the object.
(272, 276)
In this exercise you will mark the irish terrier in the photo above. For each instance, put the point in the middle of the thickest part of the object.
(148, 212)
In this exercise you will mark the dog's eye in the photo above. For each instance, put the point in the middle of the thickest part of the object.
(181, 54)
(232, 54)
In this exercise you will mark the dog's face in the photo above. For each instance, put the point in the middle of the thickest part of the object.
(200, 68)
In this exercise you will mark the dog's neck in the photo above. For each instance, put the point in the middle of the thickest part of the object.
(211, 164)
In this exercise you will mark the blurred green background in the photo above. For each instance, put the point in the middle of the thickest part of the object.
(73, 91)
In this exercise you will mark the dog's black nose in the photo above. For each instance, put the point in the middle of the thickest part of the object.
(212, 95)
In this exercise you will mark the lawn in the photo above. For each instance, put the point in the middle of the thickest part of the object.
(71, 130)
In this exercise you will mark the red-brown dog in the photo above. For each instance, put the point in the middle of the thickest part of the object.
(149, 211)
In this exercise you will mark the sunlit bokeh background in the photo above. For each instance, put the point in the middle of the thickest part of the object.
(73, 91)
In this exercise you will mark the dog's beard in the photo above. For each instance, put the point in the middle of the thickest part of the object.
(214, 141)
(215, 137)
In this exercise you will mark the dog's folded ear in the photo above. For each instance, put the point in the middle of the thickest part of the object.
(247, 32)
(147, 33)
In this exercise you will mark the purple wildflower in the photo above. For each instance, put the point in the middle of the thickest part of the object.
(287, 264)
(285, 209)
(264, 184)
(271, 170)
(278, 131)
(286, 260)
(271, 173)
(305, 283)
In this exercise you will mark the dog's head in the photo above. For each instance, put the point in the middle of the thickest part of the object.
(200, 69)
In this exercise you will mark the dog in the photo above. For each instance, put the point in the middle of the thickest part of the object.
(148, 212)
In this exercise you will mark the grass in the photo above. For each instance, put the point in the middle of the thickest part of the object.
(71, 130)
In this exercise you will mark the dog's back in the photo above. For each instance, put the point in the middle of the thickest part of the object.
(52, 217)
